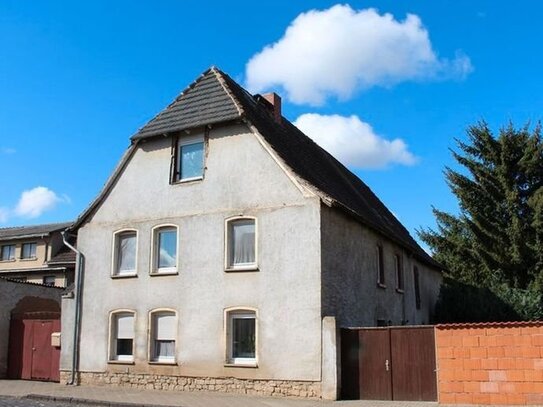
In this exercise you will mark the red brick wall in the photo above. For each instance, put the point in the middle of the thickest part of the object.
(498, 363)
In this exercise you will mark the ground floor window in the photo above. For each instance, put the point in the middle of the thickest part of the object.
(163, 334)
(122, 336)
(241, 332)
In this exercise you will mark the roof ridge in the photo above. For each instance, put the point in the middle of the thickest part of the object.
(220, 77)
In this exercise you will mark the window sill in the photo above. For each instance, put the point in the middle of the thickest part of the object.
(189, 180)
(241, 268)
(243, 365)
(381, 285)
(8, 261)
(131, 275)
(165, 363)
(28, 259)
(120, 362)
(400, 290)
(164, 273)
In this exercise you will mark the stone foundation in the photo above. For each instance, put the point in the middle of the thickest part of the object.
(281, 388)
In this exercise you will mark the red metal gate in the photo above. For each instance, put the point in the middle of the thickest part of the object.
(31, 354)
(396, 363)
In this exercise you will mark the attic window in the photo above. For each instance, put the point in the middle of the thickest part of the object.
(189, 160)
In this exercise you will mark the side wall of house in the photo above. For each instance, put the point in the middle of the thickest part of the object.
(11, 294)
(241, 178)
(349, 277)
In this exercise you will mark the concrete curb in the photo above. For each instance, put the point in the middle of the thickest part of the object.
(90, 402)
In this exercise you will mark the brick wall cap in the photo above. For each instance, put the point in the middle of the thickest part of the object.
(512, 324)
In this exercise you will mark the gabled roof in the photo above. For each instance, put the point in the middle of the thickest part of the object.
(205, 101)
(22, 232)
(215, 98)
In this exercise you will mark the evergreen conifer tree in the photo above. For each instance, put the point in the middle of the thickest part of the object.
(496, 240)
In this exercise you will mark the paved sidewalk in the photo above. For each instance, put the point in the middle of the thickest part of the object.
(21, 388)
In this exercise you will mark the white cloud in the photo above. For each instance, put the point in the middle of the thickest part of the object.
(36, 201)
(7, 150)
(354, 142)
(336, 51)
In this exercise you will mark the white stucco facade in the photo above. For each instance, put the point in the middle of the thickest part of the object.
(241, 178)
(314, 262)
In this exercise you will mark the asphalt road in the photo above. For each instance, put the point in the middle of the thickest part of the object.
(21, 402)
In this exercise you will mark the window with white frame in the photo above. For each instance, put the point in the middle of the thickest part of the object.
(122, 336)
(7, 252)
(125, 253)
(241, 337)
(190, 158)
(28, 251)
(165, 250)
(241, 244)
(163, 334)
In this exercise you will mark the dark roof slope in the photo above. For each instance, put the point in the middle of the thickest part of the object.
(205, 101)
(31, 231)
(314, 164)
(63, 256)
(215, 97)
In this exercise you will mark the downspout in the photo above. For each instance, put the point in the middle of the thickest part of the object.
(77, 319)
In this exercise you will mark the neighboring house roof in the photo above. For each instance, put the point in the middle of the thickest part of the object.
(22, 232)
(13, 280)
(215, 97)
(64, 256)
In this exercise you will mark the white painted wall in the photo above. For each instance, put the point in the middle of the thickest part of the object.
(240, 178)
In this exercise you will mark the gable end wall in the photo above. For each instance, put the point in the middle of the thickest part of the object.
(240, 178)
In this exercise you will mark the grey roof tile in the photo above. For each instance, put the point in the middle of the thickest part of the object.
(204, 102)
(31, 231)
(64, 255)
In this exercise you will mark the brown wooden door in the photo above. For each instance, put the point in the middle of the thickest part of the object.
(31, 355)
(41, 350)
(396, 363)
(16, 349)
(414, 364)
(375, 364)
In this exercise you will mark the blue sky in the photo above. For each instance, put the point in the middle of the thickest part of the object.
(77, 79)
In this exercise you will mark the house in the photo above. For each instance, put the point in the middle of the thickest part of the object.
(225, 251)
(36, 254)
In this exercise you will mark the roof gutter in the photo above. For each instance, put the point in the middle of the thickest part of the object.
(77, 318)
(31, 236)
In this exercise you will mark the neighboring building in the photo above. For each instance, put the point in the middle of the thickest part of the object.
(29, 315)
(36, 254)
(226, 249)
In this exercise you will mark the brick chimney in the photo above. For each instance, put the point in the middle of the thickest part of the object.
(275, 101)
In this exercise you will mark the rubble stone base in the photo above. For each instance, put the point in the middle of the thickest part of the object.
(281, 388)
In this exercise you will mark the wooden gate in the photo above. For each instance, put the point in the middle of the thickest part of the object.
(396, 363)
(31, 354)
